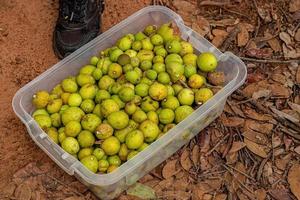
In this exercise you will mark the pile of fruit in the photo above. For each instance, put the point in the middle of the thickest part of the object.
(126, 98)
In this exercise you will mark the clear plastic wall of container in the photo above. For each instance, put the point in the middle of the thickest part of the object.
(108, 186)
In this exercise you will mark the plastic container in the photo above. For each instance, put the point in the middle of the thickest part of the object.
(108, 186)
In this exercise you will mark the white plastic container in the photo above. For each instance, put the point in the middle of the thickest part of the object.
(108, 186)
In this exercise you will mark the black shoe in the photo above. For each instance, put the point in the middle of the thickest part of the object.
(78, 23)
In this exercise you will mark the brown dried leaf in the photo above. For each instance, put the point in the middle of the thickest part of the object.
(274, 43)
(261, 194)
(279, 194)
(23, 192)
(166, 183)
(256, 148)
(221, 197)
(294, 180)
(297, 150)
(239, 178)
(201, 25)
(236, 146)
(220, 36)
(232, 121)
(283, 115)
(185, 160)
(205, 142)
(74, 198)
(176, 195)
(290, 52)
(195, 154)
(260, 53)
(253, 87)
(251, 125)
(169, 169)
(281, 163)
(252, 114)
(224, 22)
(294, 5)
(295, 107)
(256, 137)
(183, 5)
(243, 35)
(279, 90)
(261, 93)
(264, 14)
(286, 38)
(298, 75)
(297, 35)
(204, 164)
(231, 158)
(241, 196)
(8, 190)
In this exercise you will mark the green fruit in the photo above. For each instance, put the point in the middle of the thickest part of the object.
(158, 47)
(168, 127)
(86, 139)
(156, 39)
(145, 65)
(173, 58)
(87, 69)
(117, 99)
(63, 108)
(145, 55)
(90, 162)
(90, 122)
(61, 136)
(190, 59)
(105, 82)
(151, 74)
(41, 99)
(87, 105)
(175, 70)
(121, 134)
(139, 36)
(69, 85)
(186, 97)
(55, 120)
(74, 100)
(173, 46)
(139, 116)
(150, 130)
(127, 68)
(161, 52)
(182, 112)
(123, 153)
(40, 111)
(149, 30)
(126, 94)
(83, 79)
(124, 43)
(166, 32)
(177, 88)
(138, 70)
(114, 70)
(152, 116)
(164, 78)
(203, 95)
(189, 70)
(97, 74)
(146, 44)
(44, 121)
(130, 108)
(135, 62)
(70, 145)
(132, 154)
(72, 129)
(97, 111)
(134, 139)
(158, 91)
(53, 134)
(118, 120)
(101, 95)
(94, 60)
(196, 81)
(137, 45)
(146, 81)
(133, 77)
(103, 64)
(114, 55)
(170, 102)
(114, 160)
(130, 36)
(166, 116)
(149, 105)
(158, 59)
(159, 67)
(111, 168)
(72, 114)
(98, 153)
(84, 153)
(115, 88)
(111, 146)
(186, 48)
(88, 91)
(141, 89)
(143, 147)
(104, 131)
(103, 165)
(131, 53)
(57, 90)
(123, 59)
(65, 97)
(170, 90)
(207, 62)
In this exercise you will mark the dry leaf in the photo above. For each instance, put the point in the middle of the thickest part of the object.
(74, 198)
(297, 35)
(294, 179)
(260, 94)
(290, 52)
(295, 107)
(181, 184)
(201, 25)
(8, 190)
(262, 53)
(183, 5)
(243, 35)
(264, 14)
(256, 137)
(274, 43)
(23, 192)
(141, 191)
(276, 141)
(169, 169)
(261, 194)
(298, 75)
(286, 38)
(195, 154)
(231, 158)
(279, 194)
(254, 77)
(284, 115)
(278, 77)
(205, 142)
(182, 195)
(242, 196)
(281, 162)
(224, 22)
(257, 116)
(297, 150)
(220, 36)
(239, 178)
(279, 90)
(221, 197)
(236, 146)
(255, 148)
(185, 160)
(232, 121)
(253, 87)
(204, 164)
(294, 5)
(207, 197)
(251, 125)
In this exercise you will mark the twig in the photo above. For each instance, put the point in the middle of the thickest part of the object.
(230, 38)
(218, 144)
(211, 173)
(213, 3)
(270, 60)
(248, 176)
(261, 167)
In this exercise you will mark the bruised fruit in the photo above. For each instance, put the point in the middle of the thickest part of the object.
(203, 95)
(104, 131)
(90, 122)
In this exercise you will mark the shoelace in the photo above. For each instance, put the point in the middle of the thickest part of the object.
(74, 11)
